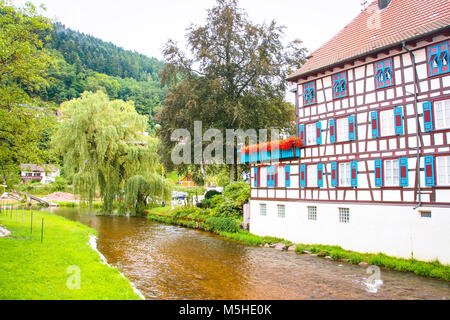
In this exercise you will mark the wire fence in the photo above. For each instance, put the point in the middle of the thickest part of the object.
(23, 213)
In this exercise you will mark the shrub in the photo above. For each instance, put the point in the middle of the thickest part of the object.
(60, 184)
(219, 224)
(212, 193)
(238, 192)
(228, 208)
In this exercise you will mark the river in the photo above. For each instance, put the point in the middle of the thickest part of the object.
(172, 263)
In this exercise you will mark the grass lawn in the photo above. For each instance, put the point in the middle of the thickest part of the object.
(31, 270)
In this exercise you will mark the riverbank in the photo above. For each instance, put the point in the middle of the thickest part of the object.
(31, 270)
(427, 269)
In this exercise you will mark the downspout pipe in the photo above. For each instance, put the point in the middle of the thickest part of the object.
(416, 86)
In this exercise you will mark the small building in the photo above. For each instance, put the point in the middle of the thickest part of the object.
(371, 169)
(44, 174)
(187, 181)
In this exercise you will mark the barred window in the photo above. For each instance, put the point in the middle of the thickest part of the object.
(344, 215)
(281, 211)
(263, 210)
(312, 213)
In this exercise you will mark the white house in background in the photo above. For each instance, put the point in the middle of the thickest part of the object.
(45, 174)
(373, 112)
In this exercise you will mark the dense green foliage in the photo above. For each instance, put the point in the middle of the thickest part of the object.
(87, 52)
(25, 121)
(232, 78)
(230, 203)
(103, 146)
(31, 270)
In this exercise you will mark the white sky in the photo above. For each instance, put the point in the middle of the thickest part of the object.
(145, 25)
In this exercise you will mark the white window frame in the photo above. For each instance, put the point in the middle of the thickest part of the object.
(443, 170)
(263, 177)
(281, 209)
(387, 123)
(442, 114)
(312, 213)
(345, 174)
(281, 176)
(344, 215)
(342, 130)
(391, 173)
(311, 134)
(263, 210)
(311, 176)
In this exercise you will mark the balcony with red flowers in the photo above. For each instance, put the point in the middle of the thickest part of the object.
(273, 150)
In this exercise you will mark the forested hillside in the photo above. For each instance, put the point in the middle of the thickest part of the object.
(85, 63)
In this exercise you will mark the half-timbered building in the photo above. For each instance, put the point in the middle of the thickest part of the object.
(373, 112)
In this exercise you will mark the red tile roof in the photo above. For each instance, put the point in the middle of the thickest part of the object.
(402, 20)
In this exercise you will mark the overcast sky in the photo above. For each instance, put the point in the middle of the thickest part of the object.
(145, 25)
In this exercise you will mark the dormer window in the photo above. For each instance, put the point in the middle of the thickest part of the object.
(309, 94)
(438, 59)
(383, 74)
(340, 85)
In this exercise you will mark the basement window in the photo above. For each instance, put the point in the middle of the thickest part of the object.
(425, 214)
(344, 215)
(263, 210)
(281, 211)
(312, 213)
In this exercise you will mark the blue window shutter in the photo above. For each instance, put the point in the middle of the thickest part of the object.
(399, 125)
(404, 179)
(354, 174)
(378, 173)
(375, 124)
(302, 133)
(320, 175)
(319, 132)
(438, 59)
(334, 174)
(269, 177)
(430, 180)
(303, 176)
(332, 125)
(428, 116)
(256, 170)
(352, 128)
(287, 170)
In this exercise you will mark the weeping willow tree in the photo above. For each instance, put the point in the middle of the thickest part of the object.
(140, 191)
(104, 148)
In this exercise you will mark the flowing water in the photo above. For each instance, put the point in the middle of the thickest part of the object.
(168, 262)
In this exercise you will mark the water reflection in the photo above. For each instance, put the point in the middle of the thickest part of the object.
(167, 262)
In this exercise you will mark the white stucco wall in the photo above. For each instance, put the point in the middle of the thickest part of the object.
(394, 230)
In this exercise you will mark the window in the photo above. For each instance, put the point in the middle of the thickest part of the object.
(425, 214)
(263, 177)
(281, 177)
(387, 125)
(263, 210)
(344, 215)
(312, 176)
(391, 173)
(340, 85)
(312, 213)
(281, 211)
(438, 59)
(442, 114)
(309, 94)
(345, 174)
(383, 74)
(443, 170)
(342, 129)
(311, 134)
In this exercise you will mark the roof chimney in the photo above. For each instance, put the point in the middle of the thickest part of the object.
(383, 4)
